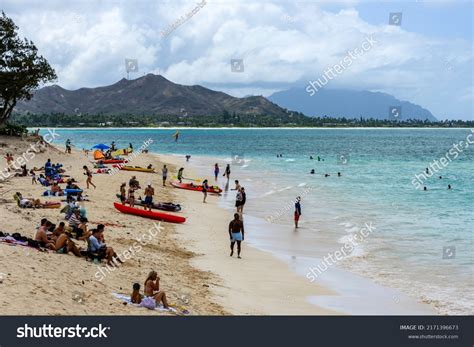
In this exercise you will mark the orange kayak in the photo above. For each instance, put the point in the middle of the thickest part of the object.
(195, 187)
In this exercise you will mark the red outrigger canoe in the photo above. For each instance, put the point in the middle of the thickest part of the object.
(166, 217)
(197, 188)
(113, 161)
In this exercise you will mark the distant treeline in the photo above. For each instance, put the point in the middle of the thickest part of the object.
(225, 119)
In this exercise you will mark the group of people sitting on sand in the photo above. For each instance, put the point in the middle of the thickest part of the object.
(60, 238)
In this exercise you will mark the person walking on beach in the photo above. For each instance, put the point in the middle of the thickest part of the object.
(68, 146)
(205, 188)
(180, 175)
(227, 172)
(149, 192)
(164, 174)
(216, 171)
(9, 159)
(297, 210)
(88, 173)
(236, 234)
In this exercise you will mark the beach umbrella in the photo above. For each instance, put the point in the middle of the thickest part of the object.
(101, 146)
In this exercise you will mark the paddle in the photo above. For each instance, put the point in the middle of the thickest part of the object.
(189, 179)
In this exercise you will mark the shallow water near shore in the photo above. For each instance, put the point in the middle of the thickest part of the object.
(422, 240)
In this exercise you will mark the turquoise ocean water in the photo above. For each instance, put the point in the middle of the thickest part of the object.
(423, 242)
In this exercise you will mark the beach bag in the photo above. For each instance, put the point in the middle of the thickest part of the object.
(148, 302)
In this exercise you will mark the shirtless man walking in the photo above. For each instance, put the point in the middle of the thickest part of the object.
(236, 234)
(149, 192)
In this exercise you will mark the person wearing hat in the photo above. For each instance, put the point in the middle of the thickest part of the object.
(149, 192)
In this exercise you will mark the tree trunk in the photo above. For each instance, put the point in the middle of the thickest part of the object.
(5, 112)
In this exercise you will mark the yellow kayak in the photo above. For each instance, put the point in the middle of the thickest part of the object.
(134, 168)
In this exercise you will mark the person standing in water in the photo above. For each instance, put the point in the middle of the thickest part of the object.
(240, 200)
(205, 188)
(227, 172)
(236, 234)
(149, 192)
(237, 185)
(164, 174)
(216, 171)
(297, 210)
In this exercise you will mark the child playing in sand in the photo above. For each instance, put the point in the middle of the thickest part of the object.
(152, 289)
(136, 297)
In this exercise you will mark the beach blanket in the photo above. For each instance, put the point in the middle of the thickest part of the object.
(12, 242)
(126, 298)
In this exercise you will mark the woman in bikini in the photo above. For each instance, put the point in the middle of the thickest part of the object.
(152, 289)
(123, 193)
(88, 173)
(131, 196)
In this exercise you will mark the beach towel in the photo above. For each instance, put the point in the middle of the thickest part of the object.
(12, 242)
(127, 299)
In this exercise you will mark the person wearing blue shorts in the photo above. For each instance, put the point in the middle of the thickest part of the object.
(236, 234)
(149, 192)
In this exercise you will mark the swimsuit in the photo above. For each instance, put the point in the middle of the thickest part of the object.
(236, 236)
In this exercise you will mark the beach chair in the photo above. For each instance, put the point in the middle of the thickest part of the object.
(91, 255)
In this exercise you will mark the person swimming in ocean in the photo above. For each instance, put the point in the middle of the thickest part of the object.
(339, 174)
(424, 188)
(327, 175)
(311, 157)
(312, 172)
(449, 186)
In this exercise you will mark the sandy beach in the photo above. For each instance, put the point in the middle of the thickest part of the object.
(192, 259)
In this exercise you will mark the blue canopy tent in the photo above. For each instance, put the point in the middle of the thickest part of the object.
(100, 146)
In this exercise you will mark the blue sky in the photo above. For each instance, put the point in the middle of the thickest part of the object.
(427, 60)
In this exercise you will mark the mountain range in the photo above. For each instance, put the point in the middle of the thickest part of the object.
(148, 95)
(350, 104)
(155, 95)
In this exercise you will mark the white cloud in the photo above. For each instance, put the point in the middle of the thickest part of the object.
(281, 43)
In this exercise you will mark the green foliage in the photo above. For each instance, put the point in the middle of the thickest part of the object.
(221, 120)
(22, 70)
(13, 130)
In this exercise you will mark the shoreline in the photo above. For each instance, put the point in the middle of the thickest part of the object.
(358, 300)
(243, 128)
(236, 286)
